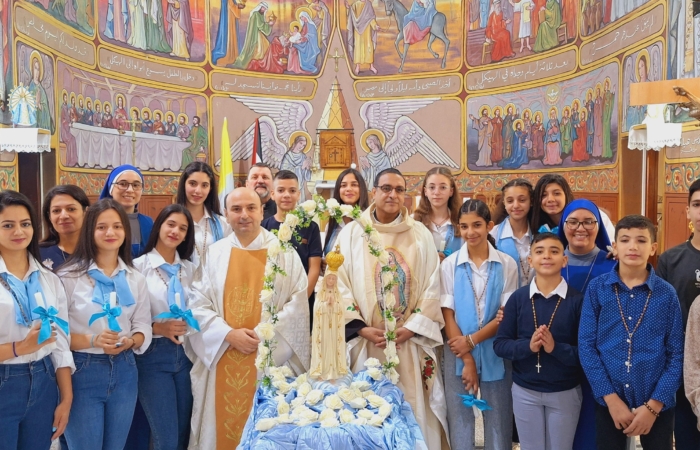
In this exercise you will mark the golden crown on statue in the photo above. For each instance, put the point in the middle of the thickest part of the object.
(334, 259)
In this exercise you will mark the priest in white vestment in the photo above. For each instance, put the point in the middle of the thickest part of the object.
(412, 250)
(226, 304)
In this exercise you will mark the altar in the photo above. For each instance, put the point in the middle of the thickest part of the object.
(102, 148)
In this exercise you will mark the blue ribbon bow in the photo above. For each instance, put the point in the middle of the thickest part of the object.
(111, 314)
(545, 229)
(174, 285)
(469, 400)
(47, 318)
(179, 314)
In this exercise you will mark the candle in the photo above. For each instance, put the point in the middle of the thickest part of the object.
(39, 299)
(178, 300)
(112, 299)
(442, 246)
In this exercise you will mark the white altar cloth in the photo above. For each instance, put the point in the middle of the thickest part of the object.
(102, 148)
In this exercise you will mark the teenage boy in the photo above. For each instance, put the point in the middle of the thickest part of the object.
(539, 333)
(631, 344)
(680, 266)
(286, 194)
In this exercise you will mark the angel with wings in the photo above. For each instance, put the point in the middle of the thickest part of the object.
(391, 138)
(284, 138)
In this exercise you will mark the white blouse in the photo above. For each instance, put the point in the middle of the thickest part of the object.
(133, 319)
(11, 331)
(522, 245)
(203, 228)
(156, 279)
(479, 276)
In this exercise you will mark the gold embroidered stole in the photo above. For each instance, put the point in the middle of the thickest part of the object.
(236, 373)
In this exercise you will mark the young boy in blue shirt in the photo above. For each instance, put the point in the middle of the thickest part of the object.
(539, 333)
(631, 344)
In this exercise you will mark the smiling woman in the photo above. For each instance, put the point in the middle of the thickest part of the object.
(63, 213)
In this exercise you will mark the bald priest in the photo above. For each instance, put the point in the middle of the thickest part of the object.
(227, 307)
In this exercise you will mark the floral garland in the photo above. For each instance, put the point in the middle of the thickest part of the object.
(302, 216)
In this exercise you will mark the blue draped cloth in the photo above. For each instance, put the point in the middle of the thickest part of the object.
(308, 50)
(423, 17)
(24, 295)
(400, 430)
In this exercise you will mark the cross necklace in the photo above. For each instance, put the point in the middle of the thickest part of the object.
(549, 326)
(628, 363)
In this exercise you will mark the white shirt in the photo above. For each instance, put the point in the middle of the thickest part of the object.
(439, 234)
(11, 331)
(133, 319)
(479, 275)
(157, 279)
(522, 245)
(561, 289)
(200, 229)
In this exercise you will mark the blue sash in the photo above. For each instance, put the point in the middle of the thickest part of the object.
(452, 243)
(507, 246)
(489, 366)
(216, 229)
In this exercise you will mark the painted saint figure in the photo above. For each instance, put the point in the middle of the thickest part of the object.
(226, 48)
(120, 117)
(155, 29)
(41, 100)
(608, 108)
(375, 161)
(322, 20)
(170, 127)
(636, 114)
(552, 140)
(66, 136)
(117, 19)
(485, 130)
(183, 131)
(598, 121)
(590, 123)
(298, 162)
(197, 138)
(524, 7)
(568, 133)
(580, 152)
(107, 118)
(416, 24)
(518, 156)
(308, 45)
(537, 136)
(508, 130)
(362, 33)
(138, 14)
(158, 126)
(547, 31)
(496, 136)
(498, 34)
(255, 44)
(97, 117)
(180, 32)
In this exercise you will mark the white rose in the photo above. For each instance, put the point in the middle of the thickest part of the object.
(303, 422)
(265, 296)
(284, 418)
(304, 389)
(372, 362)
(391, 324)
(263, 351)
(359, 421)
(346, 210)
(375, 373)
(346, 416)
(298, 411)
(333, 402)
(314, 397)
(282, 407)
(332, 203)
(326, 414)
(265, 331)
(265, 424)
(367, 393)
(292, 221)
(282, 386)
(301, 379)
(383, 258)
(265, 316)
(376, 420)
(346, 394)
(284, 233)
(393, 376)
(260, 362)
(387, 278)
(309, 414)
(297, 402)
(385, 410)
(390, 348)
(390, 300)
(330, 423)
(365, 414)
(375, 239)
(361, 385)
(365, 222)
(286, 371)
(393, 359)
(375, 401)
(309, 207)
(275, 248)
(358, 403)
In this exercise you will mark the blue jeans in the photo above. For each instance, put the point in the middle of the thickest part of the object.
(104, 397)
(165, 392)
(28, 399)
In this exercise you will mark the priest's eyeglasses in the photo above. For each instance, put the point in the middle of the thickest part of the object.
(124, 185)
(387, 188)
(573, 224)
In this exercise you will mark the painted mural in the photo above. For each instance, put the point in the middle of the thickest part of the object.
(570, 124)
(106, 122)
(492, 89)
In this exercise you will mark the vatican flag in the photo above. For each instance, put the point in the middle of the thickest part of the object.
(226, 168)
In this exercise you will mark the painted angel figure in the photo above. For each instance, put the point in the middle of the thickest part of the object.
(286, 143)
(392, 138)
(328, 360)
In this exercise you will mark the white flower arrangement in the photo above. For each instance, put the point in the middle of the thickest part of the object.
(302, 217)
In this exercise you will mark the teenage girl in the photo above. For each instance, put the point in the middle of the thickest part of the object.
(34, 349)
(165, 392)
(476, 281)
(513, 235)
(438, 210)
(350, 189)
(197, 192)
(552, 194)
(63, 211)
(110, 320)
(125, 185)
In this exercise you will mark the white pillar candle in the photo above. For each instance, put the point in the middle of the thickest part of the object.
(112, 299)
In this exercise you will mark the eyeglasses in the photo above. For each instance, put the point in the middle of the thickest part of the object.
(387, 188)
(573, 224)
(124, 185)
